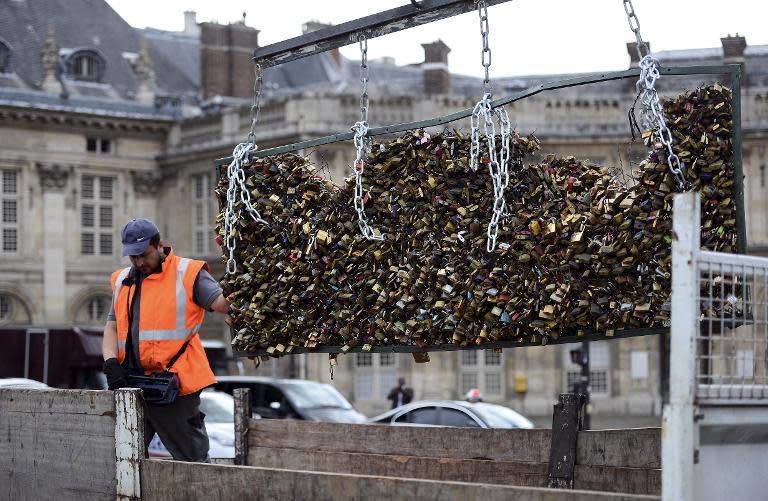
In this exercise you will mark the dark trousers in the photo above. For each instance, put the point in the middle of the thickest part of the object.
(180, 426)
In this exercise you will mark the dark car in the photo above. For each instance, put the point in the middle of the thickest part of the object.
(275, 398)
(453, 413)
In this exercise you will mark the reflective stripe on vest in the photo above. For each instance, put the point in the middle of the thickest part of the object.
(180, 333)
(118, 284)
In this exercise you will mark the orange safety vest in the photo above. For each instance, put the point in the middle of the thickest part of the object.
(168, 316)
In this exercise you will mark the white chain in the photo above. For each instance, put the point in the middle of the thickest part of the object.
(361, 145)
(497, 163)
(651, 114)
(236, 177)
(237, 190)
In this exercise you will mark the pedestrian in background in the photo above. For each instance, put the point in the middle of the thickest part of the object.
(400, 394)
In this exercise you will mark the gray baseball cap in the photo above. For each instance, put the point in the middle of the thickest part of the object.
(136, 235)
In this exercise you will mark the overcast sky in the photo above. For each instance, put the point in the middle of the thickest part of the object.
(526, 36)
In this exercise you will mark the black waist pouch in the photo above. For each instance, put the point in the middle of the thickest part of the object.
(159, 388)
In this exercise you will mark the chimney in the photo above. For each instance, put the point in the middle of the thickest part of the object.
(311, 26)
(733, 53)
(145, 75)
(733, 49)
(190, 24)
(226, 59)
(634, 57)
(437, 79)
(49, 55)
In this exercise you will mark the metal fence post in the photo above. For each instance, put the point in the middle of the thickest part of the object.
(678, 432)
(129, 443)
(566, 423)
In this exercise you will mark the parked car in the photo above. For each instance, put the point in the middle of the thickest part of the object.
(453, 413)
(219, 410)
(293, 399)
(20, 383)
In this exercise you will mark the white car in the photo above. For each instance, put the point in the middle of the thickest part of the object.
(453, 413)
(219, 410)
(20, 383)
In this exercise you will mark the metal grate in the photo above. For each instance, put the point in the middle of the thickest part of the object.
(732, 343)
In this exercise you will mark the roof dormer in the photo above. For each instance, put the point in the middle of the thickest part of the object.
(5, 57)
(87, 65)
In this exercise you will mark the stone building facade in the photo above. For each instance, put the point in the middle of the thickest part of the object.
(102, 125)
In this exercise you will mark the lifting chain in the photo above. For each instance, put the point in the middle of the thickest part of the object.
(236, 189)
(497, 162)
(362, 143)
(652, 115)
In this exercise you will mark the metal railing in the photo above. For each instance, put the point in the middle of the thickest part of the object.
(732, 343)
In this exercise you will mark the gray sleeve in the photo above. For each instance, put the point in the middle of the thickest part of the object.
(205, 290)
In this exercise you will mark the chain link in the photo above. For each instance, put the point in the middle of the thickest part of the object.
(498, 162)
(485, 58)
(256, 106)
(362, 144)
(236, 189)
(652, 114)
(237, 192)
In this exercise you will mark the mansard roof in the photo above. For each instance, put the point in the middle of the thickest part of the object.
(88, 24)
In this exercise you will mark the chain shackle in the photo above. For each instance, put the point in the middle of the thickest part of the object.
(485, 57)
(364, 80)
(497, 161)
(652, 114)
(362, 143)
(256, 105)
(237, 192)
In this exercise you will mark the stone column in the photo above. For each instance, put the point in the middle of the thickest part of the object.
(53, 181)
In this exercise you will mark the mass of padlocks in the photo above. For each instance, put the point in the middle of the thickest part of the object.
(580, 249)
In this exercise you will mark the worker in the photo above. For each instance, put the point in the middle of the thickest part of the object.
(158, 305)
(474, 396)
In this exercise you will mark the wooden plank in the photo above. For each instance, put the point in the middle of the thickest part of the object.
(614, 479)
(402, 466)
(566, 421)
(598, 478)
(57, 444)
(628, 448)
(243, 414)
(64, 401)
(460, 443)
(129, 443)
(173, 480)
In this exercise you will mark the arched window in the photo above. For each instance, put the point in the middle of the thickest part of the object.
(5, 308)
(5, 57)
(97, 309)
(86, 65)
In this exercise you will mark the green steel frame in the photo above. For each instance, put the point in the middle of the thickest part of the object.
(731, 71)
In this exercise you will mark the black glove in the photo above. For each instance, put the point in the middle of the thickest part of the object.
(117, 376)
